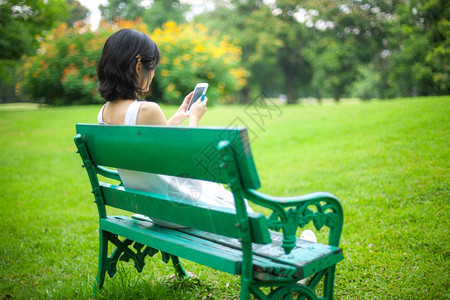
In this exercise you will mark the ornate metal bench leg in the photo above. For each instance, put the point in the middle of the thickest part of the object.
(181, 273)
(102, 261)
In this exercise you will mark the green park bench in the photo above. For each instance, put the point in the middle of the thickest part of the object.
(264, 251)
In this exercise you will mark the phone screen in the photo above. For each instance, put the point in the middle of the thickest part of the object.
(197, 94)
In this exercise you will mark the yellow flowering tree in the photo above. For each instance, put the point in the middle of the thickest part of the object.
(192, 54)
(63, 72)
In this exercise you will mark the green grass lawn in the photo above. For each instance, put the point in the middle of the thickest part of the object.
(387, 161)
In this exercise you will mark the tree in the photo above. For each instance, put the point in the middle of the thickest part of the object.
(294, 37)
(418, 64)
(163, 11)
(367, 84)
(272, 45)
(20, 22)
(439, 58)
(406, 42)
(347, 35)
(154, 16)
(247, 27)
(122, 9)
(78, 12)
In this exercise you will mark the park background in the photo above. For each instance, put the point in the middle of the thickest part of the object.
(360, 87)
(301, 49)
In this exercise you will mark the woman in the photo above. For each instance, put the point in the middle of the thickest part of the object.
(125, 70)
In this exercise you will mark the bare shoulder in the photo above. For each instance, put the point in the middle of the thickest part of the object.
(150, 113)
(149, 107)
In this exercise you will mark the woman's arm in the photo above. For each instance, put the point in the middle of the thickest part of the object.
(151, 113)
(180, 114)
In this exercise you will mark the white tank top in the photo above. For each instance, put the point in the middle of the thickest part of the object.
(130, 116)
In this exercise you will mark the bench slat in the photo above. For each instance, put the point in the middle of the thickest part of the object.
(219, 220)
(174, 242)
(307, 257)
(156, 149)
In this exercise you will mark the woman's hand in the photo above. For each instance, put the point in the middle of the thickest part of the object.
(180, 114)
(197, 111)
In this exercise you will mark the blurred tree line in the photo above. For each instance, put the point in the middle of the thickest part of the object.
(365, 48)
(22, 23)
(320, 48)
(64, 70)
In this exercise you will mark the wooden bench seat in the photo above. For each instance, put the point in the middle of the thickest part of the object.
(225, 254)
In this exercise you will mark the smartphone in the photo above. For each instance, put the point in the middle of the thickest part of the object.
(200, 90)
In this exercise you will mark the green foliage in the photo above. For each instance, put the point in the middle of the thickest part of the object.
(163, 11)
(439, 58)
(387, 161)
(154, 16)
(348, 36)
(405, 42)
(316, 47)
(335, 68)
(21, 21)
(408, 72)
(293, 38)
(367, 84)
(420, 59)
(77, 12)
(8, 79)
(119, 9)
(272, 45)
(64, 70)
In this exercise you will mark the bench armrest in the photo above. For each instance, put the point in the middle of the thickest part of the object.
(290, 213)
(113, 174)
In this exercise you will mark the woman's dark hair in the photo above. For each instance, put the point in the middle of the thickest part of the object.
(117, 66)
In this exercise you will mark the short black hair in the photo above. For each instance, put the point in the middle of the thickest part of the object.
(116, 69)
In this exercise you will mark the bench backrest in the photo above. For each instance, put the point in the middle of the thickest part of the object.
(176, 151)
